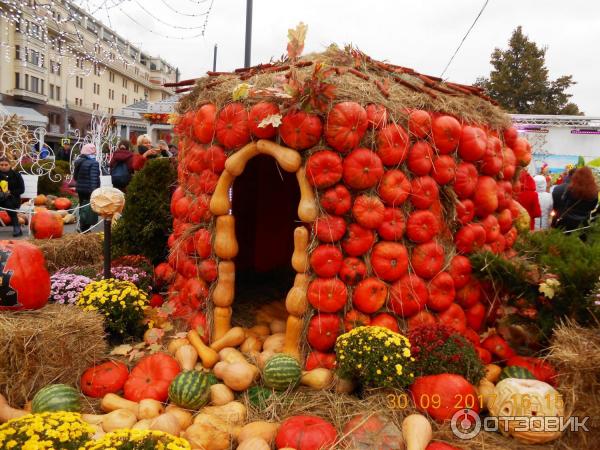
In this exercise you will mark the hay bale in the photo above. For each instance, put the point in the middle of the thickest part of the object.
(52, 345)
(71, 250)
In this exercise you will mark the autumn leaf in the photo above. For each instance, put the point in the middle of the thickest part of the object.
(273, 119)
(241, 91)
(154, 348)
(296, 39)
(136, 354)
(121, 350)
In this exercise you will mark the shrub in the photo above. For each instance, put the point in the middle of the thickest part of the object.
(51, 183)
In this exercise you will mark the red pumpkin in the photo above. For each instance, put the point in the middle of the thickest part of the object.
(353, 270)
(492, 159)
(539, 368)
(257, 114)
(441, 292)
(472, 336)
(358, 240)
(392, 144)
(454, 317)
(389, 260)
(214, 159)
(105, 378)
(498, 347)
(62, 203)
(324, 169)
(346, 126)
(336, 200)
(466, 180)
(485, 196)
(394, 188)
(421, 319)
(522, 151)
(300, 130)
(306, 433)
(5, 217)
(205, 183)
(199, 211)
(156, 301)
(316, 359)
(443, 169)
(362, 169)
(330, 228)
(473, 143)
(46, 225)
(446, 133)
(163, 274)
(475, 316)
(422, 226)
(204, 123)
(510, 238)
(327, 294)
(231, 128)
(420, 157)
(376, 116)
(387, 321)
(492, 228)
(368, 211)
(464, 239)
(372, 432)
(419, 123)
(181, 209)
(207, 269)
(392, 227)
(326, 260)
(509, 162)
(465, 211)
(423, 192)
(427, 259)
(202, 243)
(441, 396)
(441, 446)
(323, 330)
(355, 318)
(460, 270)
(510, 135)
(151, 378)
(505, 220)
(195, 292)
(469, 295)
(484, 355)
(408, 295)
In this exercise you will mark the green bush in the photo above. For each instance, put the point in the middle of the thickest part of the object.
(144, 227)
(50, 183)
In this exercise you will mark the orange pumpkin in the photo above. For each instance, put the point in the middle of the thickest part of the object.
(46, 225)
(62, 203)
(40, 200)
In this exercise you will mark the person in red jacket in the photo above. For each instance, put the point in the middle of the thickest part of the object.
(528, 197)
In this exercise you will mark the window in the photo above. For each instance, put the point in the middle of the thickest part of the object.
(79, 82)
(125, 83)
(17, 80)
(26, 82)
(41, 86)
(35, 84)
(135, 88)
(55, 67)
(111, 111)
(51, 93)
(123, 98)
(111, 77)
(17, 52)
(57, 92)
(96, 89)
(18, 26)
(111, 94)
(53, 118)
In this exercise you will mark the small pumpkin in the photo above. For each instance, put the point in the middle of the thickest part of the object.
(324, 169)
(46, 225)
(62, 203)
(108, 377)
(346, 126)
(392, 144)
(300, 130)
(370, 295)
(394, 188)
(336, 200)
(327, 294)
(151, 378)
(306, 433)
(389, 260)
(231, 127)
(323, 330)
(258, 113)
(362, 169)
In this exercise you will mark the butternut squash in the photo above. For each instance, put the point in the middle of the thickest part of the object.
(175, 344)
(275, 342)
(251, 344)
(219, 202)
(230, 355)
(143, 424)
(222, 321)
(220, 395)
(232, 413)
(184, 417)
(93, 419)
(261, 329)
(259, 429)
(308, 210)
(167, 423)
(492, 372)
(7, 413)
(293, 333)
(98, 432)
(239, 376)
(277, 326)
(186, 356)
(300, 255)
(225, 290)
(416, 431)
(118, 419)
(113, 402)
(236, 163)
(301, 280)
(296, 301)
(226, 246)
(207, 355)
(149, 408)
(317, 379)
(289, 159)
(205, 436)
(232, 338)
(263, 357)
(254, 443)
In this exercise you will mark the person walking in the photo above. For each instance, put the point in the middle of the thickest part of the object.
(121, 166)
(528, 197)
(575, 203)
(64, 153)
(87, 177)
(545, 200)
(11, 189)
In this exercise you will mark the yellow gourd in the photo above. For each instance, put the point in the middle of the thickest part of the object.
(113, 402)
(275, 342)
(232, 338)
(260, 330)
(259, 429)
(7, 413)
(492, 372)
(233, 413)
(277, 326)
(226, 246)
(296, 302)
(319, 378)
(251, 344)
(176, 343)
(238, 376)
(222, 321)
(219, 202)
(183, 417)
(485, 389)
(150, 408)
(143, 424)
(254, 443)
(289, 159)
(207, 355)
(118, 419)
(225, 290)
(293, 333)
(263, 357)
(167, 422)
(207, 437)
(230, 355)
(416, 431)
(236, 163)
(300, 256)
(308, 210)
(187, 357)
(220, 394)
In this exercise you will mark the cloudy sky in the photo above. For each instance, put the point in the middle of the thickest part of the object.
(417, 34)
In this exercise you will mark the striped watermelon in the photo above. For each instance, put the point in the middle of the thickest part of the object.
(190, 389)
(516, 372)
(56, 397)
(281, 371)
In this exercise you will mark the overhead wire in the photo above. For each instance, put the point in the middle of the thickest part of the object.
(159, 20)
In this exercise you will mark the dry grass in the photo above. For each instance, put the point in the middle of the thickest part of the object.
(51, 345)
(71, 250)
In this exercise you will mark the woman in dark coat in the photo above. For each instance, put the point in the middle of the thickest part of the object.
(576, 201)
(121, 166)
(11, 189)
(87, 176)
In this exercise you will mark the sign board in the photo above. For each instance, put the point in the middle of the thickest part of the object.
(65, 141)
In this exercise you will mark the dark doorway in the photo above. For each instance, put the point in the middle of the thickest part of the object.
(265, 204)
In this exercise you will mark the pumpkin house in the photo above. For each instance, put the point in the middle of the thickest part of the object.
(355, 185)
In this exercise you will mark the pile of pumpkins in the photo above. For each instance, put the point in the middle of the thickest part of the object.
(50, 214)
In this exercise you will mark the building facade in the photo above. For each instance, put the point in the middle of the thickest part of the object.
(59, 61)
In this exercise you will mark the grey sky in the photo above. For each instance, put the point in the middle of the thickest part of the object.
(418, 34)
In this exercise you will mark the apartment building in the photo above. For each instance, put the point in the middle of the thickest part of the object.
(58, 61)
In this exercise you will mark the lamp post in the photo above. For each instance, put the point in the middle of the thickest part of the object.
(107, 202)
(248, 33)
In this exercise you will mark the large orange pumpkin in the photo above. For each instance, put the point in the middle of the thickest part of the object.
(46, 225)
(346, 126)
(151, 378)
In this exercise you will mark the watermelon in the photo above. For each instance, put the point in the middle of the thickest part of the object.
(516, 372)
(258, 396)
(56, 397)
(190, 389)
(281, 371)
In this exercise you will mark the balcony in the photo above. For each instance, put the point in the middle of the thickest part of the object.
(29, 96)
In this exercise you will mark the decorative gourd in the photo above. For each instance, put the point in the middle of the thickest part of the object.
(219, 202)
(167, 423)
(7, 413)
(207, 437)
(183, 417)
(237, 375)
(254, 443)
(112, 402)
(277, 326)
(186, 356)
(149, 409)
(485, 389)
(207, 355)
(222, 321)
(231, 355)
(118, 420)
(275, 342)
(190, 389)
(344, 385)
(319, 378)
(251, 345)
(236, 163)
(260, 330)
(260, 429)
(234, 337)
(289, 160)
(281, 372)
(143, 424)
(233, 412)
(372, 431)
(300, 257)
(226, 246)
(492, 372)
(220, 395)
(417, 432)
(225, 290)
(308, 209)
(208, 419)
(56, 397)
(516, 372)
(175, 344)
(296, 302)
(293, 334)
(108, 377)
(263, 357)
